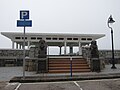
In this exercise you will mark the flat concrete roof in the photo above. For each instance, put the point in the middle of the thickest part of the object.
(12, 34)
(53, 39)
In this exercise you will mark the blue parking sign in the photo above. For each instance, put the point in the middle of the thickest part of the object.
(24, 19)
(27, 23)
(24, 14)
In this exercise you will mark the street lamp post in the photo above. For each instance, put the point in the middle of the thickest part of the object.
(110, 21)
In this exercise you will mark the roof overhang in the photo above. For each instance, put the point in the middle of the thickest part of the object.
(12, 35)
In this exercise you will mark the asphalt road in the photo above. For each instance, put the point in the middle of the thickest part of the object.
(107, 84)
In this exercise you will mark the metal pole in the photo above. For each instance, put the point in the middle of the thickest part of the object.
(113, 59)
(24, 55)
(71, 66)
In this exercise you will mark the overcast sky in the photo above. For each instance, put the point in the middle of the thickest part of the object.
(63, 16)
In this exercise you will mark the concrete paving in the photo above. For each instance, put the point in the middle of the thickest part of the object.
(106, 84)
(6, 73)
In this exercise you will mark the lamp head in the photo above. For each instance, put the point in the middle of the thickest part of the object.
(110, 19)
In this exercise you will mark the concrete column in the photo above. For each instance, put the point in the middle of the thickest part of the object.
(60, 50)
(71, 49)
(65, 46)
(19, 46)
(13, 45)
(80, 48)
(28, 44)
(16, 45)
(48, 50)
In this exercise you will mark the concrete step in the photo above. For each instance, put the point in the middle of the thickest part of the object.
(67, 61)
(67, 65)
(62, 65)
(62, 68)
(68, 71)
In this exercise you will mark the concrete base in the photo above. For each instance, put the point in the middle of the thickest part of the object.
(31, 79)
(95, 65)
(42, 65)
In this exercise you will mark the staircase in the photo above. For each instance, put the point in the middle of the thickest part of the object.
(62, 65)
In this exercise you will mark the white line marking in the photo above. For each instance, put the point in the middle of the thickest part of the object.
(72, 81)
(9, 84)
(18, 86)
(77, 85)
(49, 82)
(99, 80)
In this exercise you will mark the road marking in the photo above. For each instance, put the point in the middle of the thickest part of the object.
(99, 80)
(9, 84)
(18, 86)
(75, 82)
(71, 81)
(77, 85)
(49, 82)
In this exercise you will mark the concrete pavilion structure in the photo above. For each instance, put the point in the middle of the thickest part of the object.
(53, 39)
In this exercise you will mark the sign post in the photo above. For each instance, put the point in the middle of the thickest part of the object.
(24, 55)
(24, 22)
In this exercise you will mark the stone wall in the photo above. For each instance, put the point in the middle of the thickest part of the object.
(18, 53)
(15, 55)
(105, 55)
(12, 57)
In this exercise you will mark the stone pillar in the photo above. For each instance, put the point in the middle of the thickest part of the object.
(80, 48)
(65, 46)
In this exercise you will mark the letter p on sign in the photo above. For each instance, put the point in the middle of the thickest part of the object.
(24, 14)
